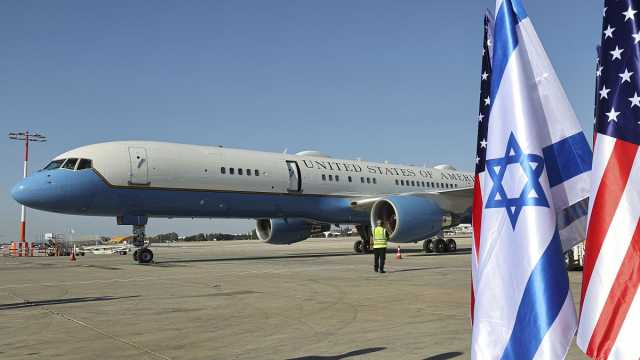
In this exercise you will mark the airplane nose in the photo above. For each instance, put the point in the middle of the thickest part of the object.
(20, 193)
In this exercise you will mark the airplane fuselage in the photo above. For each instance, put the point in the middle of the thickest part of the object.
(157, 179)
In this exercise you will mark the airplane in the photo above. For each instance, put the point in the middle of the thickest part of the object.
(291, 196)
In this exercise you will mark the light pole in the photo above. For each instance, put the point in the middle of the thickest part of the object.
(27, 137)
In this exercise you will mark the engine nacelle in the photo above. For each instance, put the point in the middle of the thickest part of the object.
(410, 218)
(287, 231)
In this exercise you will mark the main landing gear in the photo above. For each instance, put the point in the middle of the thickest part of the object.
(142, 254)
(363, 246)
(439, 245)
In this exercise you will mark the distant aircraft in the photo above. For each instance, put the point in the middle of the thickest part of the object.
(290, 196)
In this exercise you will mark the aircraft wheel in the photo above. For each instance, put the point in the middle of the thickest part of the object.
(451, 245)
(439, 246)
(135, 255)
(146, 256)
(427, 245)
(357, 246)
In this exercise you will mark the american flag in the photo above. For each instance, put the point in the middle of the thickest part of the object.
(481, 146)
(610, 312)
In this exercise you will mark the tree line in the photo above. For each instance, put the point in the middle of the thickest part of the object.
(172, 236)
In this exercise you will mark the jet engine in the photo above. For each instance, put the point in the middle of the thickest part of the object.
(287, 231)
(410, 218)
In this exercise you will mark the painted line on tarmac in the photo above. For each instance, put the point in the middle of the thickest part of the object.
(86, 282)
(101, 332)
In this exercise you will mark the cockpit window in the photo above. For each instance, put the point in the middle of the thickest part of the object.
(70, 164)
(54, 164)
(84, 164)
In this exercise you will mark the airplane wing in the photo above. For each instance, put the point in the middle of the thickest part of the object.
(452, 200)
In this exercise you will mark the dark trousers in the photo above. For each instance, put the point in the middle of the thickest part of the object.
(379, 256)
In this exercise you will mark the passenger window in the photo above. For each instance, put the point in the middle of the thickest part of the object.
(330, 177)
(337, 178)
(350, 179)
(230, 171)
(240, 171)
(368, 180)
(413, 183)
(248, 172)
(256, 172)
(54, 164)
(70, 164)
(422, 183)
(84, 164)
(362, 180)
(402, 182)
(324, 177)
(223, 170)
(374, 180)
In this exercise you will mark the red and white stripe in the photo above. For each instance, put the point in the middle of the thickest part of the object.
(476, 222)
(610, 312)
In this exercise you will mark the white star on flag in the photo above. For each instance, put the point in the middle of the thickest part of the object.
(604, 92)
(480, 117)
(635, 100)
(629, 14)
(616, 53)
(626, 76)
(636, 37)
(483, 143)
(485, 76)
(613, 115)
(609, 32)
(599, 71)
(487, 101)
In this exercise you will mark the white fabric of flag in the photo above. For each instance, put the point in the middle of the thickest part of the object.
(535, 191)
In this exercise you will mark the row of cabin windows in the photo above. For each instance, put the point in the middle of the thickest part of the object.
(349, 179)
(425, 184)
(241, 171)
(70, 164)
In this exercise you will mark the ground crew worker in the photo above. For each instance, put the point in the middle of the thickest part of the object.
(380, 237)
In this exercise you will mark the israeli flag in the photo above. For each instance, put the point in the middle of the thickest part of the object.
(535, 194)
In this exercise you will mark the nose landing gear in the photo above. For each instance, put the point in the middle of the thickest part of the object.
(142, 254)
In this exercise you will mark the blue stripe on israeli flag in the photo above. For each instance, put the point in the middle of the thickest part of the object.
(541, 302)
(567, 158)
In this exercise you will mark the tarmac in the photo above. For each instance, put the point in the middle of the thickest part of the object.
(314, 300)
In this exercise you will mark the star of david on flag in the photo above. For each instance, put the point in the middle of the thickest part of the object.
(532, 165)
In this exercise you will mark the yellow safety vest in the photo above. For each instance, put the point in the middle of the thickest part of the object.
(379, 237)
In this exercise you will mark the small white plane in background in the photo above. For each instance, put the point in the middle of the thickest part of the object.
(290, 196)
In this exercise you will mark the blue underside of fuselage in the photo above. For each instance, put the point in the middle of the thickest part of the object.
(84, 192)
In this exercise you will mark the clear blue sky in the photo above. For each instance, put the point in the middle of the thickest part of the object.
(381, 80)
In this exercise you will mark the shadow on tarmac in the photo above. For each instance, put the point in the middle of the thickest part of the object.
(464, 251)
(341, 356)
(445, 356)
(252, 258)
(29, 304)
(418, 269)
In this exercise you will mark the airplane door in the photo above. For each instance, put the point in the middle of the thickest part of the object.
(295, 180)
(139, 171)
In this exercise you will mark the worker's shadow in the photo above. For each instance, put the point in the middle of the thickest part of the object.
(341, 356)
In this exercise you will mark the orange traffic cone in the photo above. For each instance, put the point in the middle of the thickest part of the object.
(398, 255)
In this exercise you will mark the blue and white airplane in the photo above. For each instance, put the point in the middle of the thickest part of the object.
(290, 196)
